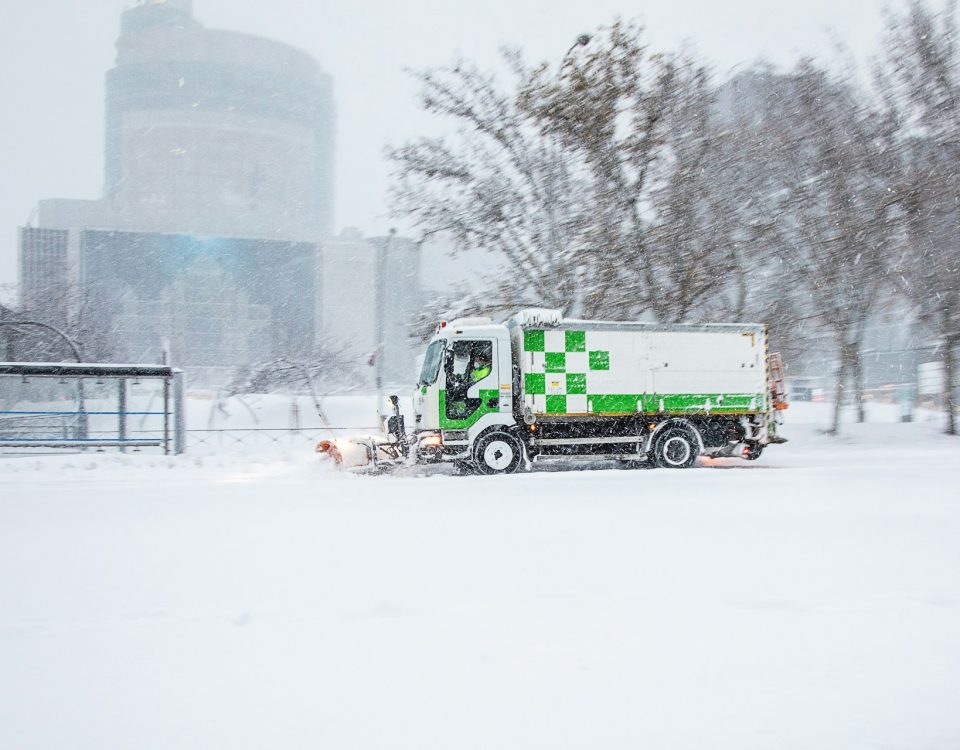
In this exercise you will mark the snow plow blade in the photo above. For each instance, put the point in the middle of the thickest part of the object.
(376, 453)
(382, 452)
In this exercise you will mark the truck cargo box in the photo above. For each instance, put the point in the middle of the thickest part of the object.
(589, 368)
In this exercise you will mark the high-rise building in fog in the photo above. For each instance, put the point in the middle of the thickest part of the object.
(212, 239)
(210, 132)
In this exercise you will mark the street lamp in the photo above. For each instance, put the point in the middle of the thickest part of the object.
(581, 41)
(577, 308)
(75, 349)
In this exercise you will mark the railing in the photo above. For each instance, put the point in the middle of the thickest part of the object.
(266, 436)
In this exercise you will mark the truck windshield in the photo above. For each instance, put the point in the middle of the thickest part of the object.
(431, 362)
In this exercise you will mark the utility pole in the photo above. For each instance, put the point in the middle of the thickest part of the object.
(577, 308)
(380, 303)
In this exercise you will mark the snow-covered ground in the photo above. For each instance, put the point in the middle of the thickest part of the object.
(257, 599)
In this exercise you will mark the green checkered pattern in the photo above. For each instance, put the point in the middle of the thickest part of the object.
(557, 371)
(564, 384)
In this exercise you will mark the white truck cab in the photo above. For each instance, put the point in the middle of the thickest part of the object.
(466, 387)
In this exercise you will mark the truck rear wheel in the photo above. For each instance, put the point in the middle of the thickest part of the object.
(676, 448)
(497, 453)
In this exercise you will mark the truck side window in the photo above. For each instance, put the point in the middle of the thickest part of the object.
(467, 362)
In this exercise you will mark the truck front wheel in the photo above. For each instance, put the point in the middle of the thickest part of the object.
(676, 448)
(497, 453)
(752, 451)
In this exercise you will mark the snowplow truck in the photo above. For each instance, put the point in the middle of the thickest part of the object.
(493, 398)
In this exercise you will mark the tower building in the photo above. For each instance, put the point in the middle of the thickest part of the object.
(211, 243)
(210, 132)
(218, 190)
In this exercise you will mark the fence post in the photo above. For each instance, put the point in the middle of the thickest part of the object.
(83, 423)
(122, 409)
(180, 417)
(166, 415)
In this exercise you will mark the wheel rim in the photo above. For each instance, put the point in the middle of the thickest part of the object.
(498, 455)
(676, 451)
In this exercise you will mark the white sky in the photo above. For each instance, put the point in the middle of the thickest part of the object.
(54, 53)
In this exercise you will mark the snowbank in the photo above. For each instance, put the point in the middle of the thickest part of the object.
(809, 599)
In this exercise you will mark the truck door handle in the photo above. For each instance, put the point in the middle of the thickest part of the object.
(493, 403)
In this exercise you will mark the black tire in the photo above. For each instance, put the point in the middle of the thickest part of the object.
(676, 448)
(464, 468)
(497, 453)
(752, 451)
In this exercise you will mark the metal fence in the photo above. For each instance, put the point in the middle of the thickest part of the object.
(255, 437)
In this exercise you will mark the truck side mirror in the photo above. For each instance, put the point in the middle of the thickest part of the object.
(395, 426)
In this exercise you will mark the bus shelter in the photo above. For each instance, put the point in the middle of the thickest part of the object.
(82, 406)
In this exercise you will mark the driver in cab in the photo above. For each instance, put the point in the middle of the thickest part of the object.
(481, 367)
(460, 406)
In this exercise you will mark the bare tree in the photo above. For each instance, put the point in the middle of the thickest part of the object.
(837, 232)
(497, 184)
(460, 301)
(646, 126)
(9, 337)
(595, 181)
(921, 80)
(329, 365)
(74, 312)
